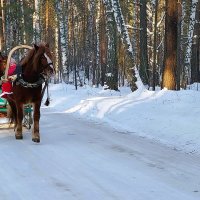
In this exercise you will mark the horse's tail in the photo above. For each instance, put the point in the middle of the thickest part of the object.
(12, 112)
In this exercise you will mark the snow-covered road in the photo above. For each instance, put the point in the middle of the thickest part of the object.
(81, 160)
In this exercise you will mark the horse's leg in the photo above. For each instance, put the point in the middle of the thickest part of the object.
(18, 132)
(36, 118)
(12, 113)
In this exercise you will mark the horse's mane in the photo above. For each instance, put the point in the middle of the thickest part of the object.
(33, 56)
(28, 57)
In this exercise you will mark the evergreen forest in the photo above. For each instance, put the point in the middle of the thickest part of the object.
(110, 43)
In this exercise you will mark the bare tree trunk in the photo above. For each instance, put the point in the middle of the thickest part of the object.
(143, 43)
(195, 70)
(155, 46)
(59, 50)
(170, 61)
(122, 29)
(179, 49)
(2, 32)
(73, 46)
(103, 44)
(23, 31)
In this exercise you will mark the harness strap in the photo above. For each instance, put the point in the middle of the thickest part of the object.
(26, 84)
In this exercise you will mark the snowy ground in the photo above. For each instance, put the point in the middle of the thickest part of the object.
(105, 145)
(169, 117)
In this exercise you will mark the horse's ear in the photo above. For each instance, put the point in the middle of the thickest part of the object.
(36, 47)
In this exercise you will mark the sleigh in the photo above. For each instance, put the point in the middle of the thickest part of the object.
(3, 106)
(28, 112)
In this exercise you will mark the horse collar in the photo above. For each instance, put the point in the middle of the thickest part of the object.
(22, 82)
(26, 84)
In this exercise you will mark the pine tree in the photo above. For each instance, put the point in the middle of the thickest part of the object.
(144, 73)
(170, 62)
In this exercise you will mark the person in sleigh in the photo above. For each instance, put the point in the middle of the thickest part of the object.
(7, 85)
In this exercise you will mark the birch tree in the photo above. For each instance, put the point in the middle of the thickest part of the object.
(122, 29)
(195, 48)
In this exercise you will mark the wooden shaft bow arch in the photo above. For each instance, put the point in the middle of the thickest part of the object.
(10, 54)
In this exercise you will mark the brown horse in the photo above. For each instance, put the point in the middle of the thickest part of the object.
(34, 69)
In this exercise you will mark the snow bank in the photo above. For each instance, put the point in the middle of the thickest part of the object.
(169, 117)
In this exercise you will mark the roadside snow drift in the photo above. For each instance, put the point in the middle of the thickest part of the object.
(169, 117)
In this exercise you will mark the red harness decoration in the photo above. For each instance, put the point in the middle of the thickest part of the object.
(7, 86)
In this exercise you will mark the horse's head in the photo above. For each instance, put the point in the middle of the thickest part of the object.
(43, 58)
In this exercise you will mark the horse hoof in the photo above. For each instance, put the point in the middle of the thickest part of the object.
(37, 140)
(19, 137)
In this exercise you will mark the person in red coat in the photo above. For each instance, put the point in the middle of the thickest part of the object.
(7, 86)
